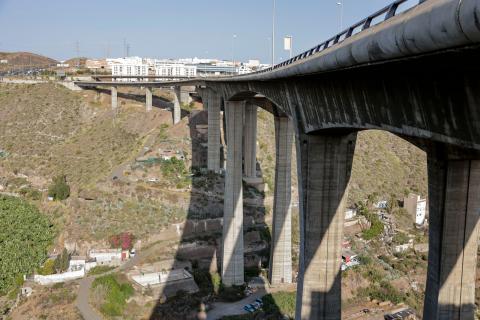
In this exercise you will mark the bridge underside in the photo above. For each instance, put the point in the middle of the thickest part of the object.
(432, 101)
(431, 97)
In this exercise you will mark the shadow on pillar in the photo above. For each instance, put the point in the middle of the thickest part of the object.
(324, 165)
(454, 211)
(201, 235)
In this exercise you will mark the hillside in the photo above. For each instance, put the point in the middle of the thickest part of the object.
(72, 62)
(47, 131)
(26, 59)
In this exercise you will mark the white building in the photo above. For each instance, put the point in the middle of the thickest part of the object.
(108, 256)
(131, 66)
(350, 213)
(416, 207)
(174, 69)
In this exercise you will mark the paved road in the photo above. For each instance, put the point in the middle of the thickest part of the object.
(221, 309)
(87, 311)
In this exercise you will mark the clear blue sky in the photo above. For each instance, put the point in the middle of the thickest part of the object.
(172, 29)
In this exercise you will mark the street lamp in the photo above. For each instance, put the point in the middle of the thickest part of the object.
(341, 15)
(273, 34)
(233, 52)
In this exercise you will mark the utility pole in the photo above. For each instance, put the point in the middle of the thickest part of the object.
(233, 53)
(273, 34)
(77, 47)
(128, 49)
(124, 47)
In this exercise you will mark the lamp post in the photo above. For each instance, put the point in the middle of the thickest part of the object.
(341, 14)
(273, 34)
(233, 53)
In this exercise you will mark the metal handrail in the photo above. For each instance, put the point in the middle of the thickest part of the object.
(389, 11)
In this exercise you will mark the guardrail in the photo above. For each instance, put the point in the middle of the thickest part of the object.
(389, 11)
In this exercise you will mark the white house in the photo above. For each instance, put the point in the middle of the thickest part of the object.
(416, 207)
(107, 256)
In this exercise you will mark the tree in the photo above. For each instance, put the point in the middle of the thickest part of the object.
(62, 261)
(59, 189)
(24, 238)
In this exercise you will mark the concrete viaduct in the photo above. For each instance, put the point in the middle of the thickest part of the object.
(415, 74)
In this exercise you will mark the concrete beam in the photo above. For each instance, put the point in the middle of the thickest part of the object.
(280, 270)
(324, 165)
(250, 141)
(114, 98)
(148, 98)
(177, 111)
(232, 249)
(212, 101)
(454, 203)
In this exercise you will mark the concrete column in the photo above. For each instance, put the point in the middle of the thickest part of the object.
(324, 165)
(232, 251)
(176, 105)
(250, 141)
(280, 270)
(213, 101)
(454, 210)
(148, 98)
(114, 98)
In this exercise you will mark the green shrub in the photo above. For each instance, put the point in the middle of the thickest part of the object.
(59, 189)
(62, 261)
(99, 270)
(24, 238)
(400, 238)
(216, 282)
(376, 226)
(116, 294)
(280, 303)
(47, 268)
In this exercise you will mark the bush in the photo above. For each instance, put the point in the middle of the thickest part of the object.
(25, 236)
(383, 292)
(123, 240)
(400, 238)
(280, 303)
(116, 294)
(376, 226)
(59, 189)
(62, 261)
(99, 270)
(47, 268)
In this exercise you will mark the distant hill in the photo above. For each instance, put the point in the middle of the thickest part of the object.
(73, 61)
(26, 59)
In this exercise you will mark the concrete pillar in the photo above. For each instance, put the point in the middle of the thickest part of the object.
(213, 101)
(232, 250)
(177, 111)
(454, 210)
(250, 141)
(280, 270)
(148, 98)
(324, 165)
(114, 98)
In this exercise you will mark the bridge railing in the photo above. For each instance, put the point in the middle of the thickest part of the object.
(388, 12)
